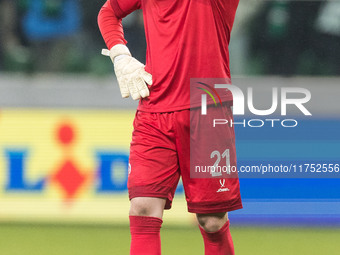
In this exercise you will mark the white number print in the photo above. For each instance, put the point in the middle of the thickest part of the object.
(216, 169)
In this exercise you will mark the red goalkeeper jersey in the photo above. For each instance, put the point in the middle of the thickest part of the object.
(185, 39)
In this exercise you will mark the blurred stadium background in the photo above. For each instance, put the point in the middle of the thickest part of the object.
(65, 131)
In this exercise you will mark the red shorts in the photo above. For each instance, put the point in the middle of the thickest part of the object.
(160, 155)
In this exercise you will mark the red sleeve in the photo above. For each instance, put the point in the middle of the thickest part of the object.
(123, 8)
(110, 26)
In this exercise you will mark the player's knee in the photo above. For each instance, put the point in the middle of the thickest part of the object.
(212, 222)
(139, 210)
(152, 207)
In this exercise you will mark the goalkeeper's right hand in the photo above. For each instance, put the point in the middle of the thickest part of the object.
(130, 73)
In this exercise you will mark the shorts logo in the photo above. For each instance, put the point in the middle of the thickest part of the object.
(223, 188)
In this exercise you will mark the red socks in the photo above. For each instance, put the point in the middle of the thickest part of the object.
(145, 235)
(145, 238)
(218, 243)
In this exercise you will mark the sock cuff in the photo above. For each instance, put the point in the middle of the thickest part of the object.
(145, 220)
(145, 224)
(216, 235)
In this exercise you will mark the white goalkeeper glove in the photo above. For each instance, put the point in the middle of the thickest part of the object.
(130, 73)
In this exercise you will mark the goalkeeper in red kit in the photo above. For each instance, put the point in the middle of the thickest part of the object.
(185, 39)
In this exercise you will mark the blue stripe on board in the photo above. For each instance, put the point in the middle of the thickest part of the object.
(294, 212)
(293, 207)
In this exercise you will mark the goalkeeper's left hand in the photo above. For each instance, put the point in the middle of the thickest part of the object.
(130, 73)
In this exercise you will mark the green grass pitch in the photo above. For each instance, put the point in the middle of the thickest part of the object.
(48, 239)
